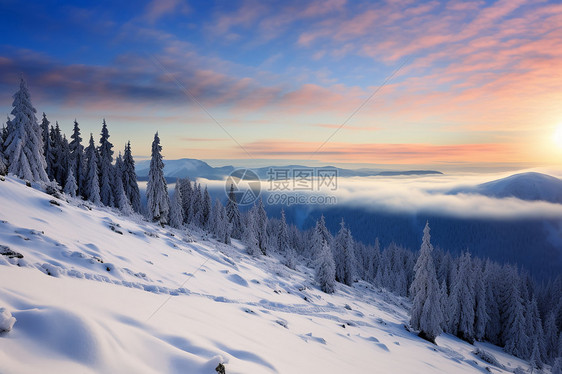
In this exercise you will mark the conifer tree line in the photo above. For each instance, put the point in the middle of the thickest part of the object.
(42, 153)
(472, 298)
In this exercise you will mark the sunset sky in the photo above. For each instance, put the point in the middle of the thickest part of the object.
(469, 84)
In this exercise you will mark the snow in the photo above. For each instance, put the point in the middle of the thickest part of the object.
(98, 292)
(6, 320)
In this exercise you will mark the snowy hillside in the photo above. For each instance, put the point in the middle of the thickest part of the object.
(94, 292)
(525, 186)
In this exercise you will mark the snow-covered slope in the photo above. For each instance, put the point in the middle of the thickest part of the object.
(525, 186)
(99, 293)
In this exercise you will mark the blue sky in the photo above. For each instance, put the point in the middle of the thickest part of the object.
(475, 82)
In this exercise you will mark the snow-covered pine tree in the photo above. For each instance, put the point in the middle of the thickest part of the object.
(65, 158)
(535, 331)
(514, 331)
(462, 301)
(221, 227)
(282, 234)
(325, 268)
(186, 194)
(427, 316)
(105, 165)
(535, 361)
(56, 154)
(249, 236)
(491, 279)
(24, 145)
(92, 185)
(70, 186)
(77, 163)
(120, 198)
(158, 202)
(176, 210)
(374, 259)
(47, 145)
(344, 255)
(320, 234)
(261, 226)
(130, 179)
(551, 336)
(557, 366)
(233, 214)
(481, 309)
(206, 210)
(197, 204)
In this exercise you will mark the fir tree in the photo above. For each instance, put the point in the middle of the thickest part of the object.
(261, 226)
(176, 210)
(221, 227)
(462, 301)
(249, 236)
(320, 235)
(557, 367)
(92, 185)
(344, 255)
(551, 336)
(326, 269)
(130, 179)
(105, 165)
(427, 315)
(514, 332)
(233, 214)
(481, 317)
(24, 145)
(56, 156)
(156, 190)
(70, 186)
(120, 198)
(186, 194)
(47, 146)
(206, 210)
(77, 163)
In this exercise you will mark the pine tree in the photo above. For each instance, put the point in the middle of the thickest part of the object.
(56, 154)
(206, 210)
(282, 234)
(47, 145)
(374, 260)
(77, 163)
(249, 236)
(105, 164)
(551, 336)
(24, 145)
(130, 179)
(462, 301)
(221, 227)
(326, 269)
(427, 315)
(196, 204)
(557, 367)
(320, 235)
(176, 210)
(516, 340)
(261, 226)
(70, 186)
(535, 360)
(186, 194)
(481, 317)
(344, 255)
(156, 190)
(120, 198)
(233, 214)
(92, 185)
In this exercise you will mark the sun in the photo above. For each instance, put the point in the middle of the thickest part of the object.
(557, 136)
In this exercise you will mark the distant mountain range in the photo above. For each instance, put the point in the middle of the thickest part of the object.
(525, 186)
(193, 168)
